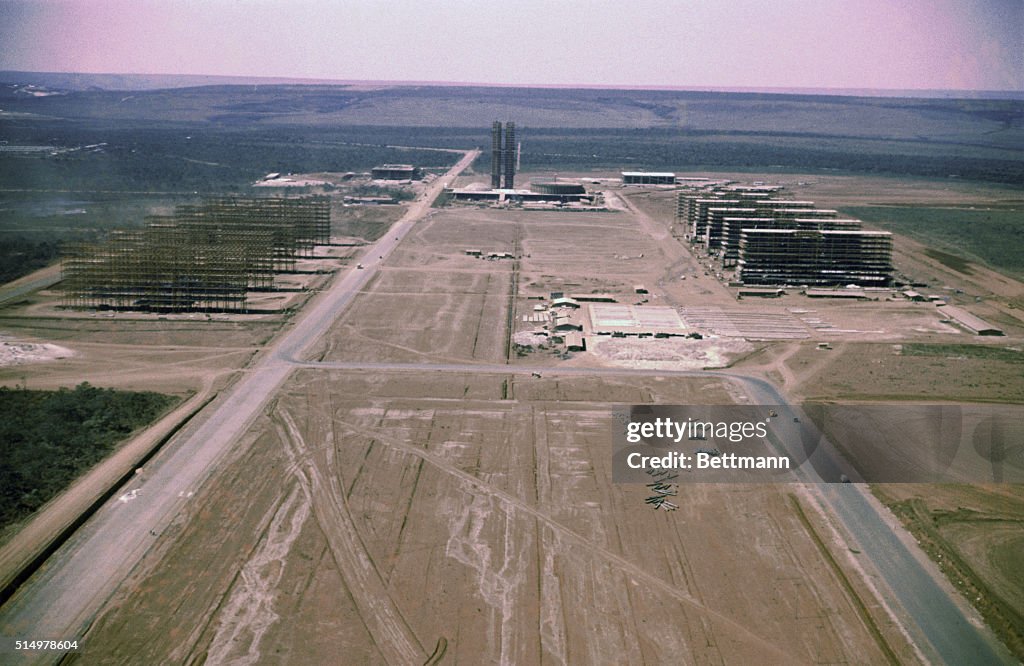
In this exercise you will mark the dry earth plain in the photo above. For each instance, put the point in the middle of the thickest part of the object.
(391, 516)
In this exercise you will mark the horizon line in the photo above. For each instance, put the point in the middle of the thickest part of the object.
(243, 79)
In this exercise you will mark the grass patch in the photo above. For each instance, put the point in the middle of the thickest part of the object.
(992, 234)
(958, 264)
(966, 351)
(48, 438)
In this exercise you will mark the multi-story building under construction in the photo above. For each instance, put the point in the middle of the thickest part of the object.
(814, 258)
(778, 241)
(504, 155)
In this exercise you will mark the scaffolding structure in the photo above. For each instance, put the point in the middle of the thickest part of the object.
(495, 155)
(697, 215)
(716, 221)
(204, 257)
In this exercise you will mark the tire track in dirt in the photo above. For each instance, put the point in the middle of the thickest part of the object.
(552, 607)
(513, 503)
(405, 519)
(249, 611)
(354, 334)
(316, 476)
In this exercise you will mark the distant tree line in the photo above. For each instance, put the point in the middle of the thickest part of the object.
(20, 255)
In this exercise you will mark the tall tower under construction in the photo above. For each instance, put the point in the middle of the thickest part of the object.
(496, 155)
(509, 153)
(503, 155)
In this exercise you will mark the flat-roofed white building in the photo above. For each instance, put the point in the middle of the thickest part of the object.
(623, 319)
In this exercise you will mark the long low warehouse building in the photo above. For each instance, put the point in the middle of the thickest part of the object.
(511, 195)
(972, 323)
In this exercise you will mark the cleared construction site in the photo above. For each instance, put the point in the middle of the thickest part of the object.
(204, 257)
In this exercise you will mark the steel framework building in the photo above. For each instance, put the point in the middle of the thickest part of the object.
(732, 228)
(715, 222)
(495, 155)
(396, 172)
(205, 257)
(780, 257)
(648, 178)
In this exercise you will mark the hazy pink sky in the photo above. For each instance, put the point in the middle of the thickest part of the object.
(904, 44)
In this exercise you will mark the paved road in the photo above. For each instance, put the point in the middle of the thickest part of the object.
(41, 279)
(61, 600)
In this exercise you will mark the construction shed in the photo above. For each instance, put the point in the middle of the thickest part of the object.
(857, 294)
(972, 323)
(564, 302)
(567, 323)
(574, 341)
(594, 298)
(760, 292)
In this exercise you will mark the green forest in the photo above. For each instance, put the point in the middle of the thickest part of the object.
(48, 438)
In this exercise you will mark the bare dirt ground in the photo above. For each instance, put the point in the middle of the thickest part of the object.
(192, 356)
(385, 524)
(19, 352)
(134, 353)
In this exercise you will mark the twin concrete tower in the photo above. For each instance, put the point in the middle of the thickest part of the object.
(503, 156)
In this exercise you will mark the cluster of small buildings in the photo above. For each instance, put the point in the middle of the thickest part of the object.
(775, 241)
(480, 254)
